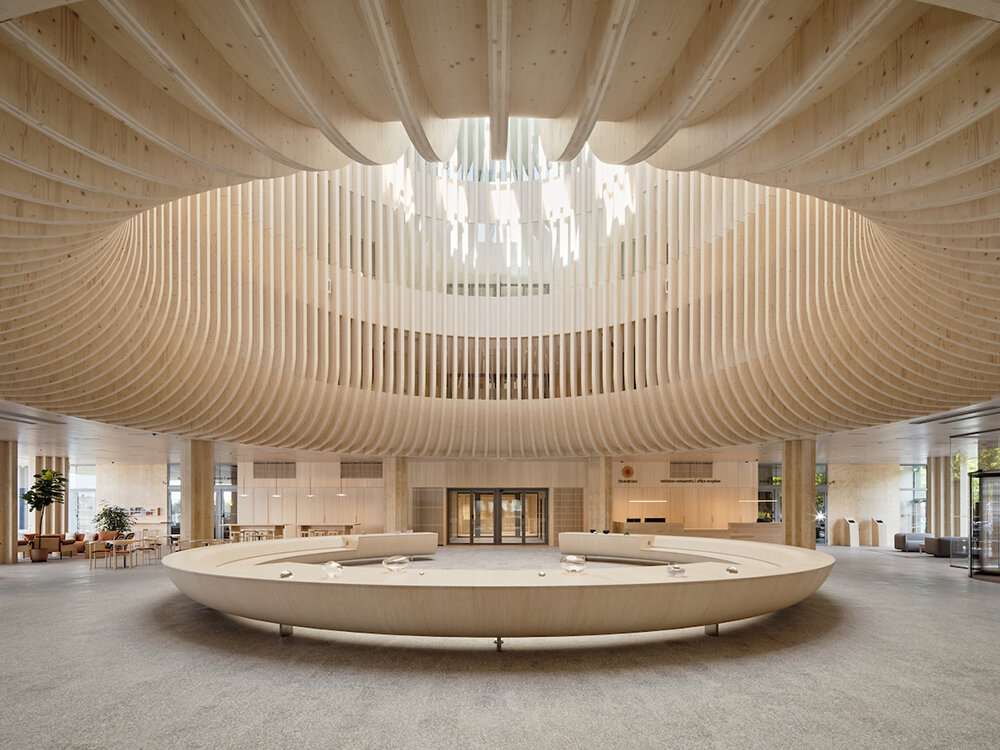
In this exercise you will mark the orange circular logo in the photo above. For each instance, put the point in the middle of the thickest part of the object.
(627, 472)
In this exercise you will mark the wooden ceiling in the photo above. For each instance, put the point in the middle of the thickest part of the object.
(112, 107)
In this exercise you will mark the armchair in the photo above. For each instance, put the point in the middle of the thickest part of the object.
(57, 543)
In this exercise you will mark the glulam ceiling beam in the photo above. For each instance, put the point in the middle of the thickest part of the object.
(984, 8)
(814, 55)
(565, 136)
(911, 65)
(433, 138)
(498, 31)
(67, 50)
(717, 37)
(287, 46)
(176, 46)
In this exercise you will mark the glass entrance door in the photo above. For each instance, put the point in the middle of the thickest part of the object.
(484, 528)
(497, 516)
(511, 518)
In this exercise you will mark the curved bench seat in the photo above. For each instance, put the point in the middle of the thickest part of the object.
(243, 579)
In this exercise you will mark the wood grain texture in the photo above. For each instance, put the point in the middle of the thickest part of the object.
(243, 579)
(165, 263)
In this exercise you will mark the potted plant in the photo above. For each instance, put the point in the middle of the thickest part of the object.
(49, 487)
(113, 518)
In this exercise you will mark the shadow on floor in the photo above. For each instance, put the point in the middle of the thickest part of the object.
(808, 622)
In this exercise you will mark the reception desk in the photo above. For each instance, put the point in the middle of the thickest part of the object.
(715, 581)
(236, 530)
(308, 529)
(773, 533)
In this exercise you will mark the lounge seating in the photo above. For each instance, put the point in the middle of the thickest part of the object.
(23, 546)
(909, 542)
(942, 546)
(57, 543)
(81, 542)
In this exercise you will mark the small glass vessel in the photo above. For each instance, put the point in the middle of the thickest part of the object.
(676, 570)
(573, 563)
(285, 574)
(396, 563)
(333, 569)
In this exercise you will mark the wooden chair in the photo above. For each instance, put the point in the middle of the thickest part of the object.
(154, 542)
(144, 552)
(121, 550)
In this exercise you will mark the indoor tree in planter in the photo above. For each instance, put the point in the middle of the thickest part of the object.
(49, 487)
(113, 518)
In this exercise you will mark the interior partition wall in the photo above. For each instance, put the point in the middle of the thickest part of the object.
(975, 472)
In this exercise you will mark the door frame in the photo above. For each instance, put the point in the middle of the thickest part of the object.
(451, 494)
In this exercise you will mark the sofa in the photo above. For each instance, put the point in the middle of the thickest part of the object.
(941, 546)
(909, 541)
(80, 542)
(56, 543)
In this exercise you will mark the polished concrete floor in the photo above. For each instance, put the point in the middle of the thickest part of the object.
(895, 650)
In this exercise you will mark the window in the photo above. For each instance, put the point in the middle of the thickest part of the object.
(174, 498)
(82, 497)
(913, 497)
(768, 493)
(25, 520)
(822, 485)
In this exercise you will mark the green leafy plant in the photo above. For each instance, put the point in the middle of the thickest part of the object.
(49, 487)
(113, 518)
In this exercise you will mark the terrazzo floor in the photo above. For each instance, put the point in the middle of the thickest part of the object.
(895, 650)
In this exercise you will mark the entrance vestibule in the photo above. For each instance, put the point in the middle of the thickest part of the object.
(497, 516)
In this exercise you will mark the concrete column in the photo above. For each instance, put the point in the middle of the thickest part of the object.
(942, 501)
(960, 491)
(798, 493)
(397, 501)
(198, 490)
(597, 506)
(8, 502)
(56, 517)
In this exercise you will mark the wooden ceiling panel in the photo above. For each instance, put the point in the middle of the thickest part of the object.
(450, 43)
(759, 313)
(237, 45)
(345, 48)
(548, 44)
(657, 36)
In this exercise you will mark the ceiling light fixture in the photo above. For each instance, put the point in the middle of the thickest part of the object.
(276, 493)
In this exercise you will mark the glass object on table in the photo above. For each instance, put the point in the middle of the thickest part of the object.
(396, 563)
(333, 569)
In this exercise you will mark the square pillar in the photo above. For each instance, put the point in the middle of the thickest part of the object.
(8, 502)
(198, 490)
(798, 493)
(396, 503)
(942, 504)
(597, 507)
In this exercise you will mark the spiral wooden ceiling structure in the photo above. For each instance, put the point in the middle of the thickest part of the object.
(196, 238)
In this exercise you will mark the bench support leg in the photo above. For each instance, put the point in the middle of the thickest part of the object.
(712, 629)
(284, 630)
(499, 643)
